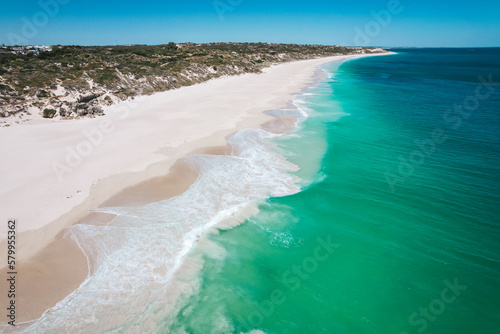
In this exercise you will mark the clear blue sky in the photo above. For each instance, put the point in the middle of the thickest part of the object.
(346, 22)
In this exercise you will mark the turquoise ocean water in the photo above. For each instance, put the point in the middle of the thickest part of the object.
(396, 227)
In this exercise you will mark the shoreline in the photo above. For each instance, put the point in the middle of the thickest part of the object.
(109, 190)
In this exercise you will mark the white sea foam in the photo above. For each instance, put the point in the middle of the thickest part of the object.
(299, 102)
(134, 256)
(283, 239)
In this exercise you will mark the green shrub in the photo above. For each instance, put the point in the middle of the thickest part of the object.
(49, 113)
(42, 94)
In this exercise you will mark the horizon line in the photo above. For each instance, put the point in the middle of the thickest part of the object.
(305, 44)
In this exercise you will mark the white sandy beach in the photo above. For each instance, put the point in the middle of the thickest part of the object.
(131, 137)
(55, 171)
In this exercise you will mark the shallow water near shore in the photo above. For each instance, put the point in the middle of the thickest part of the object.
(391, 232)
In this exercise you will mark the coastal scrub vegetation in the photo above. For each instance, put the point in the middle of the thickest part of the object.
(113, 73)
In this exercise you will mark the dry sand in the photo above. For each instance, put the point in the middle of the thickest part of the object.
(54, 172)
